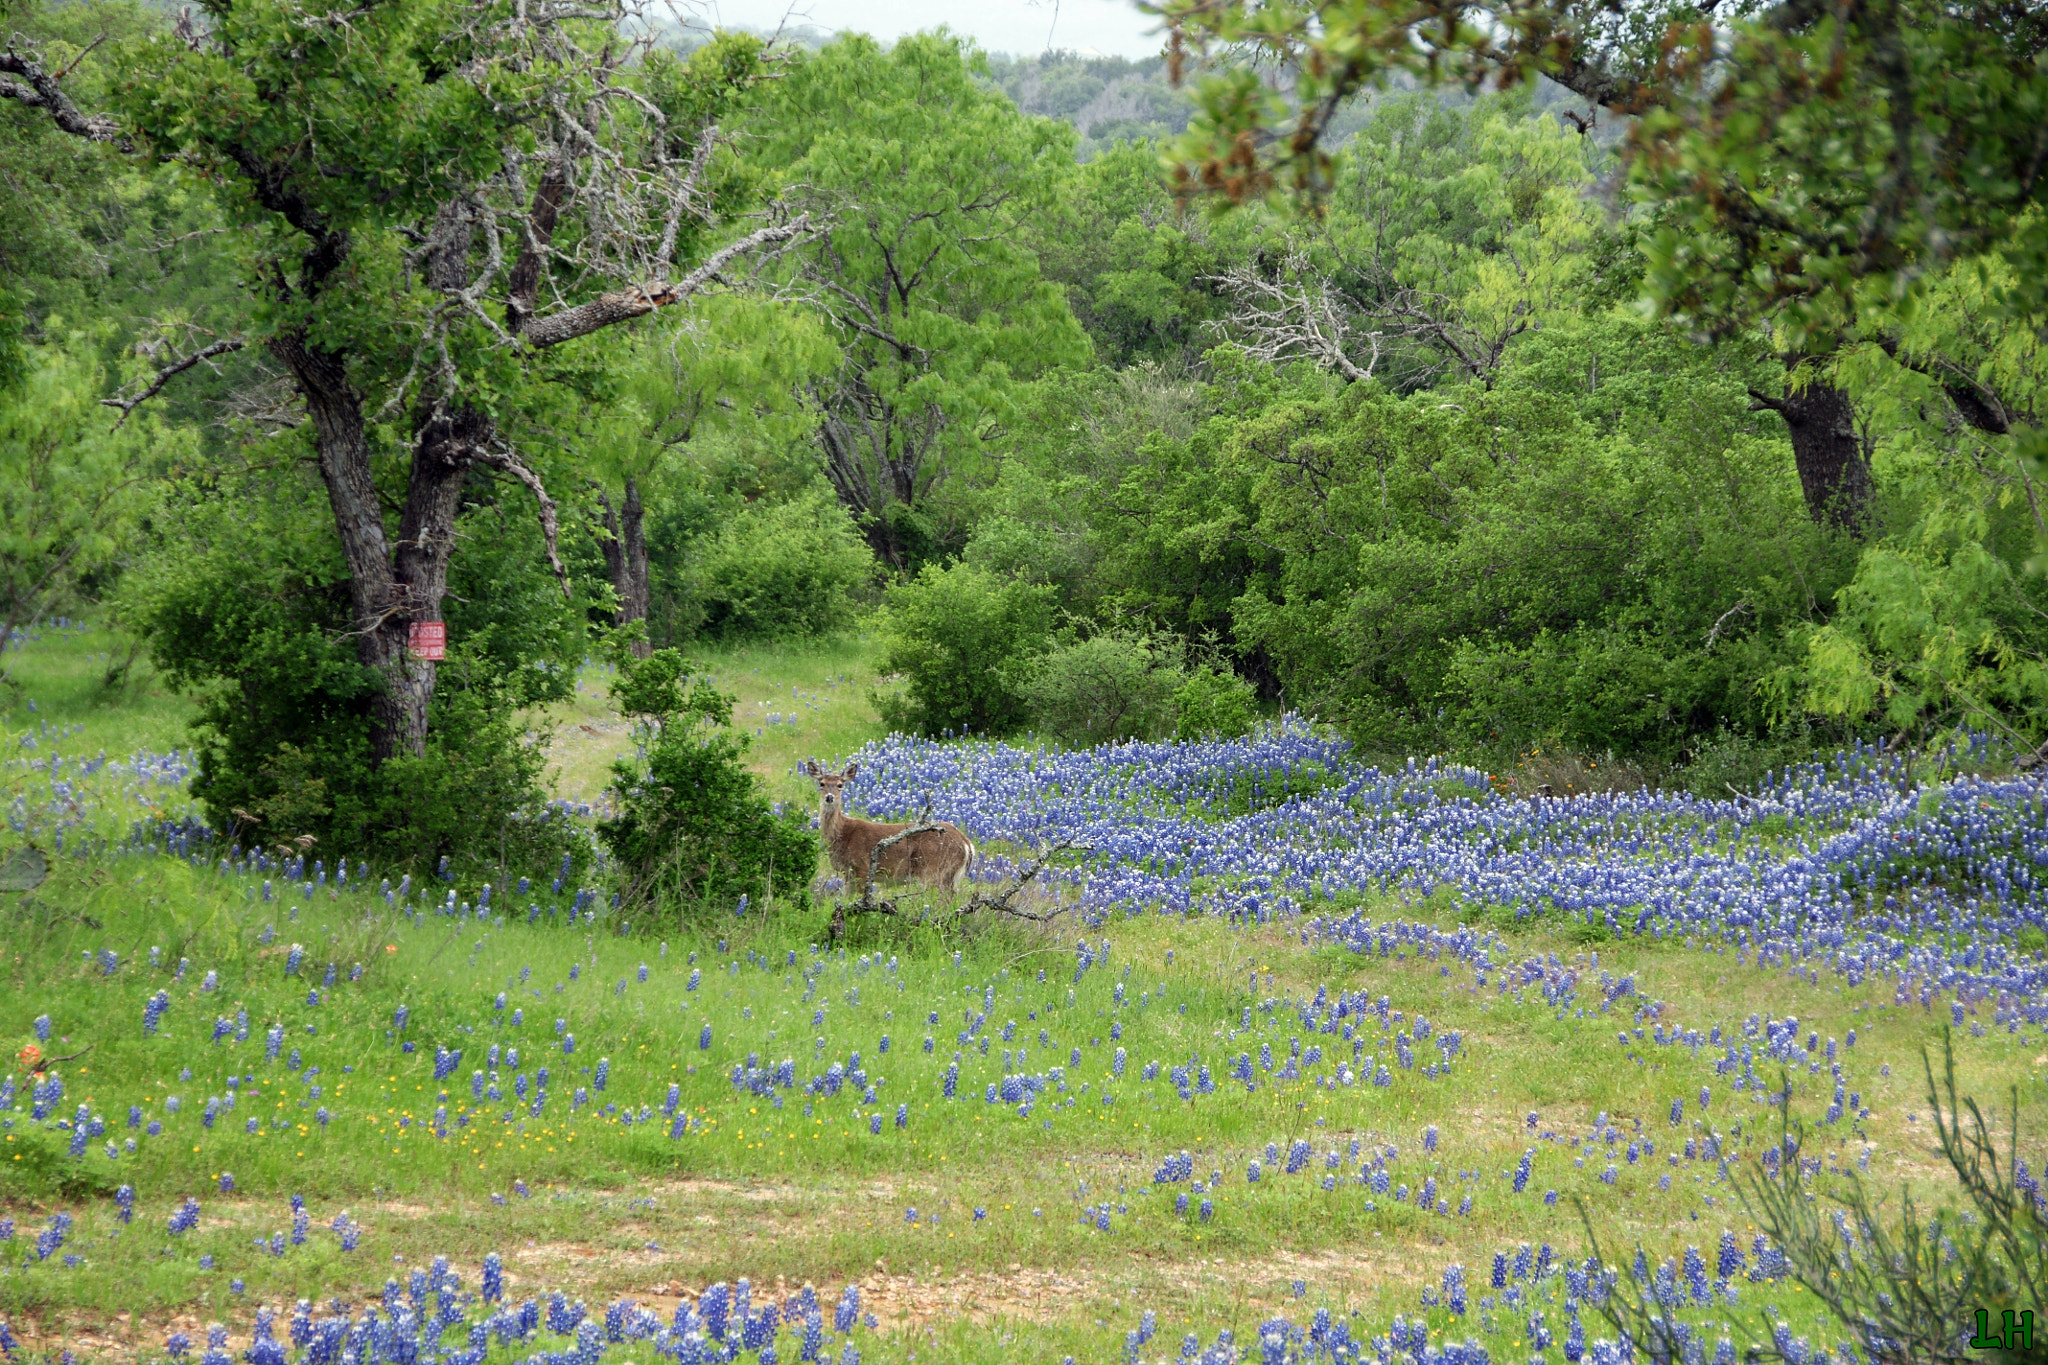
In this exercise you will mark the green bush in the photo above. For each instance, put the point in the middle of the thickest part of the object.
(1213, 703)
(958, 636)
(780, 571)
(1117, 685)
(243, 602)
(694, 831)
(1033, 551)
(40, 1167)
(1731, 761)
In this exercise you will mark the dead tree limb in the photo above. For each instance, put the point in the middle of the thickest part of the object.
(167, 374)
(1003, 902)
(42, 91)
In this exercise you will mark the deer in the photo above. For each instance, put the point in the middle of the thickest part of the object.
(939, 857)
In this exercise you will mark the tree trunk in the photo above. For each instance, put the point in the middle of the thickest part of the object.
(1834, 469)
(625, 559)
(444, 450)
(633, 523)
(341, 442)
(387, 592)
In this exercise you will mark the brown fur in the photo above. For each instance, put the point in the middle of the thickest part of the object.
(938, 858)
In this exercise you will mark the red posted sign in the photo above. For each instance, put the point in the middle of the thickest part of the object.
(428, 640)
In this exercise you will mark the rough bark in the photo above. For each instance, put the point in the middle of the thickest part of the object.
(42, 91)
(376, 599)
(1834, 467)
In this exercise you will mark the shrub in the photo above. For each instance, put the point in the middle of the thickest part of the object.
(1731, 761)
(1117, 685)
(1033, 551)
(783, 571)
(244, 605)
(1213, 703)
(958, 636)
(694, 830)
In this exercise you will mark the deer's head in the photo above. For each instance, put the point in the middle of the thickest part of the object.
(830, 783)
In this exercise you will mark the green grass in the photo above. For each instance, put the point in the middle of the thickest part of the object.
(784, 1197)
(824, 686)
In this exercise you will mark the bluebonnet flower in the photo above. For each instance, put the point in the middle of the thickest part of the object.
(704, 1039)
(1522, 1170)
(51, 1238)
(185, 1217)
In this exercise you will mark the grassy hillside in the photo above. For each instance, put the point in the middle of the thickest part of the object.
(641, 1112)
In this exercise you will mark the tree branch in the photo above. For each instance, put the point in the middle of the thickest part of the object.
(505, 458)
(43, 92)
(1977, 404)
(626, 304)
(166, 375)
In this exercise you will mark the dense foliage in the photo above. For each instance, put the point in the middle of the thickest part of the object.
(1417, 462)
(242, 602)
(693, 833)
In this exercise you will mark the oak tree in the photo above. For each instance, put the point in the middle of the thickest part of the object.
(432, 200)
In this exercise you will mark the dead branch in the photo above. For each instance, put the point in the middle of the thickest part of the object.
(640, 300)
(165, 375)
(1294, 314)
(1003, 902)
(42, 1064)
(42, 91)
(1739, 609)
(505, 458)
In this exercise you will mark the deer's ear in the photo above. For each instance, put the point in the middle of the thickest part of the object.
(811, 767)
(851, 769)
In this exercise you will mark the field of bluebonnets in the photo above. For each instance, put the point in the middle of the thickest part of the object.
(1320, 1063)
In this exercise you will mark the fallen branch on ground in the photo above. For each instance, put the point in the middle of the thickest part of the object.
(1003, 902)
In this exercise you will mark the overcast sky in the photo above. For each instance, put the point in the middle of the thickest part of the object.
(1020, 27)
